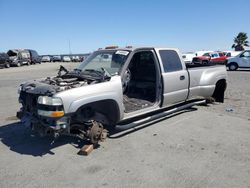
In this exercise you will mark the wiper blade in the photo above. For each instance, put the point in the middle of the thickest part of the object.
(78, 70)
(96, 73)
(106, 72)
(93, 72)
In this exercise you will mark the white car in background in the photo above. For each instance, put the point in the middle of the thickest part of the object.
(241, 60)
(200, 53)
(46, 58)
(188, 57)
(232, 53)
(66, 59)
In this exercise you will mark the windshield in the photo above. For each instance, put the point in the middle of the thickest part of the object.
(110, 61)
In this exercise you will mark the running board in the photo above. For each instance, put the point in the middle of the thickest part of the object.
(157, 116)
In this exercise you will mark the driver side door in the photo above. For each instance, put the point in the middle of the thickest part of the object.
(245, 59)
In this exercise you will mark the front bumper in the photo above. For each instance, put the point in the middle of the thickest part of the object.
(45, 125)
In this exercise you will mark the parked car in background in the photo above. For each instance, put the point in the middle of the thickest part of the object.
(56, 58)
(200, 53)
(34, 57)
(188, 57)
(4, 60)
(66, 59)
(82, 58)
(211, 57)
(19, 57)
(46, 58)
(242, 60)
(231, 53)
(75, 59)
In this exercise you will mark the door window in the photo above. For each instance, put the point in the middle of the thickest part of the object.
(246, 54)
(171, 61)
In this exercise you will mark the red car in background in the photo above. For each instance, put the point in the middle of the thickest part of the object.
(211, 57)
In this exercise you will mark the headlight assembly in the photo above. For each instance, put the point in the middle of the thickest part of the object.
(50, 106)
(52, 101)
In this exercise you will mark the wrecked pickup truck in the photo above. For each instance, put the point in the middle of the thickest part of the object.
(114, 87)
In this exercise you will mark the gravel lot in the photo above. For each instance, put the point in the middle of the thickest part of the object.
(206, 147)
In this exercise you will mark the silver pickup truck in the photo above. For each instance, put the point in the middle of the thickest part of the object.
(113, 86)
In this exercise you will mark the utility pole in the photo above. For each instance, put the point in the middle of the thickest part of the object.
(69, 48)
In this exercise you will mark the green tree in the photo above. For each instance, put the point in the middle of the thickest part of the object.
(240, 42)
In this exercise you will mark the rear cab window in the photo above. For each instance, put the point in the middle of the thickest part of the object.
(170, 60)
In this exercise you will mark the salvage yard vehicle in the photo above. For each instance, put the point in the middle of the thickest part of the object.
(19, 57)
(56, 58)
(4, 60)
(34, 57)
(46, 58)
(211, 57)
(114, 87)
(242, 60)
(66, 59)
(75, 58)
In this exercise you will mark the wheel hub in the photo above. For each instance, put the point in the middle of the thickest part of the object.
(96, 132)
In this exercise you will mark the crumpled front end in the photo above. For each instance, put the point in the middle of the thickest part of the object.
(44, 114)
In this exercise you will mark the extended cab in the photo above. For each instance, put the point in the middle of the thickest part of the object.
(113, 86)
(211, 57)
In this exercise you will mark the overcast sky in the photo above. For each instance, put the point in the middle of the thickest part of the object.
(48, 25)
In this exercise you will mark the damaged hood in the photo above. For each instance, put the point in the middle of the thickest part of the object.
(52, 85)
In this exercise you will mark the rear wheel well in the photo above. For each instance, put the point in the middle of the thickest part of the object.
(105, 111)
(219, 90)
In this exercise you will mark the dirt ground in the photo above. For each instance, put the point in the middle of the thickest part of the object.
(208, 146)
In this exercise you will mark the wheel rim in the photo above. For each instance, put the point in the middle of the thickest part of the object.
(232, 67)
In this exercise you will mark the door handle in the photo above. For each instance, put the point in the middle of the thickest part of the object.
(182, 77)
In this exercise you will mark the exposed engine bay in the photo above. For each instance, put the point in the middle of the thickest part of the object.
(62, 82)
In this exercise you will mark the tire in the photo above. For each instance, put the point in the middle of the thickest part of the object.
(28, 63)
(18, 64)
(7, 65)
(219, 91)
(233, 66)
(204, 62)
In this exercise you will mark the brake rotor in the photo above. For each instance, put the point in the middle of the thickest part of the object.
(97, 133)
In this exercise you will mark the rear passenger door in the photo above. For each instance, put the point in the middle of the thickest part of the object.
(175, 77)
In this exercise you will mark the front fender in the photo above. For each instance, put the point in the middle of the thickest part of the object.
(77, 97)
(74, 106)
